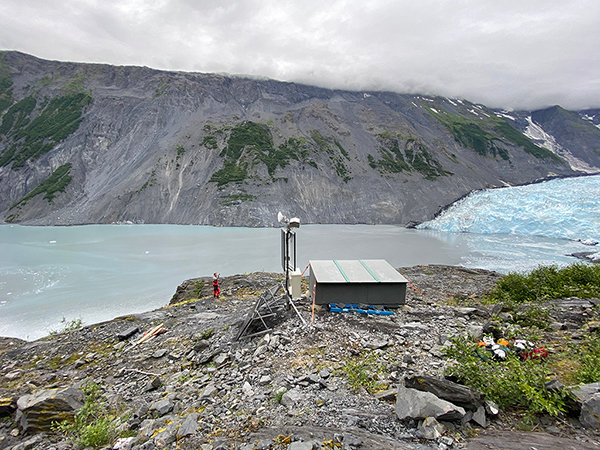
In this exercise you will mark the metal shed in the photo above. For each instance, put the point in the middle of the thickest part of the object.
(368, 281)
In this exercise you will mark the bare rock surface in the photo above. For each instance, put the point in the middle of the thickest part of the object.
(192, 385)
(151, 146)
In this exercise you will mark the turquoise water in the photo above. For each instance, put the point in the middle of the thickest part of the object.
(97, 272)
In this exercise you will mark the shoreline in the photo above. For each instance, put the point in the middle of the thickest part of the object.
(408, 225)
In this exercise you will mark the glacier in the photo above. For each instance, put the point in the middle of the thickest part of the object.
(567, 208)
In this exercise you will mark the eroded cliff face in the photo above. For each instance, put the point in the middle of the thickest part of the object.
(84, 143)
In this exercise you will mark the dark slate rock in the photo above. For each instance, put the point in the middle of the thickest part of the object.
(7, 406)
(447, 390)
(152, 385)
(479, 417)
(162, 407)
(124, 335)
(189, 426)
(590, 413)
(38, 411)
(415, 404)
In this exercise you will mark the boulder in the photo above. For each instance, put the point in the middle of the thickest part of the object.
(162, 407)
(430, 429)
(581, 394)
(7, 406)
(38, 411)
(479, 417)
(590, 413)
(447, 390)
(291, 398)
(584, 392)
(126, 334)
(189, 426)
(415, 404)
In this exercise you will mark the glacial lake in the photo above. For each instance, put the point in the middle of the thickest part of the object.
(98, 272)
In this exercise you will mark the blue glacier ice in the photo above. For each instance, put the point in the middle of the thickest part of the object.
(562, 208)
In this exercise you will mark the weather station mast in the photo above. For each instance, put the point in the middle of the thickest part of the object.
(288, 255)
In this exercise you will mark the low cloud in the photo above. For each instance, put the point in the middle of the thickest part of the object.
(510, 54)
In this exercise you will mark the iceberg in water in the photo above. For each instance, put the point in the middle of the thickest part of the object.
(562, 208)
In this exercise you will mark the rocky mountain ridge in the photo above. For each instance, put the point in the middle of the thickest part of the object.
(91, 143)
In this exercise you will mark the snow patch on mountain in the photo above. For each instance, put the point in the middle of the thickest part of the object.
(505, 115)
(536, 133)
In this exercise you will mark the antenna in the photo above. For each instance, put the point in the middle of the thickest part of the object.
(281, 217)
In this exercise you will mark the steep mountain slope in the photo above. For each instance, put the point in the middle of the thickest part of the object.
(88, 143)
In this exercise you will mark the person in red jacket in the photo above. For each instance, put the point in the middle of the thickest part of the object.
(216, 290)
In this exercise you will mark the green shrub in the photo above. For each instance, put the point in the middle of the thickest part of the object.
(91, 426)
(336, 160)
(209, 142)
(247, 134)
(230, 173)
(17, 115)
(511, 383)
(525, 295)
(363, 371)
(198, 286)
(251, 143)
(588, 356)
(278, 394)
(206, 334)
(68, 326)
(546, 283)
(414, 157)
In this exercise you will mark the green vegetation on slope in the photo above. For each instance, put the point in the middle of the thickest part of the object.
(56, 182)
(17, 115)
(336, 159)
(248, 144)
(547, 283)
(6, 84)
(516, 137)
(30, 137)
(95, 424)
(511, 383)
(470, 134)
(414, 157)
(485, 136)
(518, 383)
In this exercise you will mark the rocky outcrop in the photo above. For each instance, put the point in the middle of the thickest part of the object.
(336, 381)
(415, 404)
(43, 409)
(91, 143)
(446, 390)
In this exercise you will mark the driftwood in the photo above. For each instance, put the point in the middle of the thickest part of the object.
(148, 335)
(141, 372)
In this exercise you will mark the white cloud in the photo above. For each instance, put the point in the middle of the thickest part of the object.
(510, 53)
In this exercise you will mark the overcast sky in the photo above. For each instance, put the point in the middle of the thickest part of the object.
(503, 53)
